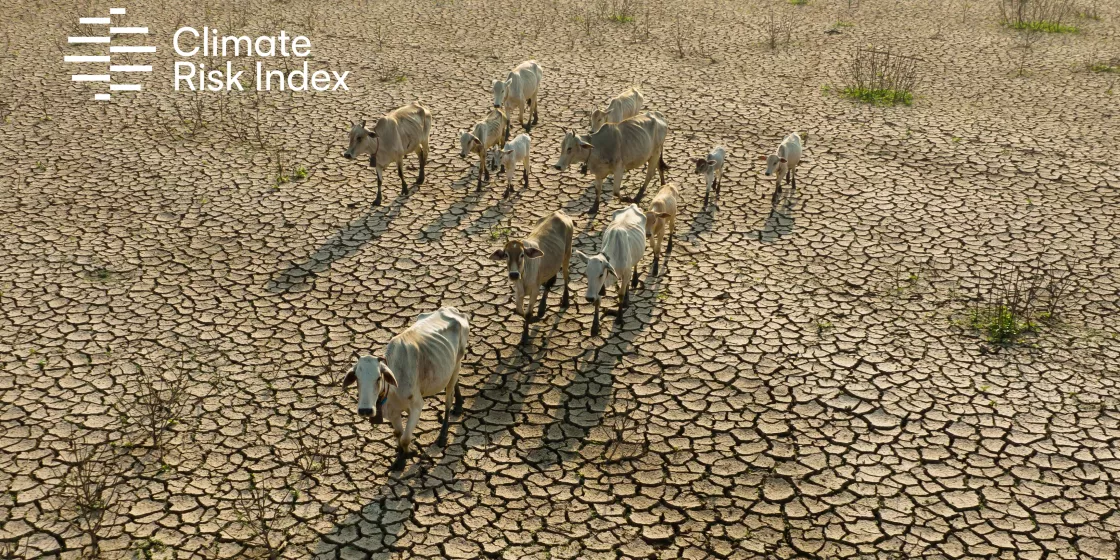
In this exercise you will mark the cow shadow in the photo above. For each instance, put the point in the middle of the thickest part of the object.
(780, 221)
(578, 416)
(345, 243)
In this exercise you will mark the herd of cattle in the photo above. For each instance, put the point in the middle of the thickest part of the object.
(425, 359)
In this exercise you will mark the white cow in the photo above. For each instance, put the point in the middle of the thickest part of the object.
(516, 150)
(712, 169)
(624, 243)
(420, 362)
(620, 107)
(783, 163)
(520, 90)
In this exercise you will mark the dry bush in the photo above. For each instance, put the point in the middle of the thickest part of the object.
(159, 398)
(264, 515)
(778, 30)
(1037, 15)
(1025, 47)
(88, 494)
(881, 77)
(681, 32)
(1020, 297)
(314, 448)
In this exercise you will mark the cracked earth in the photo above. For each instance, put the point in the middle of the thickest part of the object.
(796, 384)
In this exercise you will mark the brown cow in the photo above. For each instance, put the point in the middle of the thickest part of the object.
(395, 135)
(536, 260)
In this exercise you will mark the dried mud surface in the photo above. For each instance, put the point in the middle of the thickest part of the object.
(795, 384)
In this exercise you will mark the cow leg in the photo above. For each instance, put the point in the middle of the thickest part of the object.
(634, 278)
(410, 426)
(395, 420)
(544, 297)
(618, 177)
(400, 173)
(525, 175)
(651, 169)
(653, 268)
(481, 171)
(449, 405)
(672, 231)
(707, 191)
(423, 162)
(526, 319)
(536, 114)
(458, 409)
(377, 201)
(564, 300)
(793, 180)
(598, 195)
(595, 320)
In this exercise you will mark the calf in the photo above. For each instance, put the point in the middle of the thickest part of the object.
(520, 89)
(489, 133)
(662, 213)
(711, 167)
(783, 163)
(536, 260)
(395, 135)
(615, 149)
(516, 151)
(420, 362)
(619, 108)
(624, 243)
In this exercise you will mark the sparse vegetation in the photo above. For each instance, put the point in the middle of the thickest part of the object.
(881, 77)
(1036, 15)
(799, 2)
(263, 516)
(89, 491)
(158, 398)
(1018, 299)
(778, 30)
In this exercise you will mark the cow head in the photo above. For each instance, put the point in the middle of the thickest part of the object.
(655, 222)
(362, 141)
(500, 89)
(774, 163)
(598, 119)
(573, 149)
(598, 269)
(515, 253)
(468, 143)
(374, 379)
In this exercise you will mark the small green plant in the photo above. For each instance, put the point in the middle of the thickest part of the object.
(39, 166)
(1044, 26)
(843, 24)
(1103, 67)
(499, 232)
(620, 18)
(879, 96)
(663, 294)
(1001, 324)
(823, 325)
(301, 172)
(798, 2)
(144, 549)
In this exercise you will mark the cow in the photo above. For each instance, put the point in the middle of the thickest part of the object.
(615, 149)
(624, 243)
(420, 362)
(520, 90)
(537, 260)
(396, 134)
(486, 134)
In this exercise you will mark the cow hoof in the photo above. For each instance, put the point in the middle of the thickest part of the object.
(377, 201)
(594, 331)
(594, 209)
(398, 463)
(564, 300)
(441, 441)
(653, 271)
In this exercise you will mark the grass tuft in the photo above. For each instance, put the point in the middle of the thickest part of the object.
(798, 2)
(879, 96)
(1043, 26)
(1001, 324)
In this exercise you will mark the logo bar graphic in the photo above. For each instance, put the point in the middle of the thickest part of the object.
(113, 49)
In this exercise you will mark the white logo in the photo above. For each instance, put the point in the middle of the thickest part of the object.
(103, 33)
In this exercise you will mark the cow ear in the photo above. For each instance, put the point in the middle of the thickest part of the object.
(499, 255)
(783, 160)
(584, 144)
(387, 373)
(350, 379)
(580, 253)
(533, 253)
(712, 162)
(761, 158)
(363, 125)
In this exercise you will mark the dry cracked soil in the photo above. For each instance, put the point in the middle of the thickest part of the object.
(175, 317)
